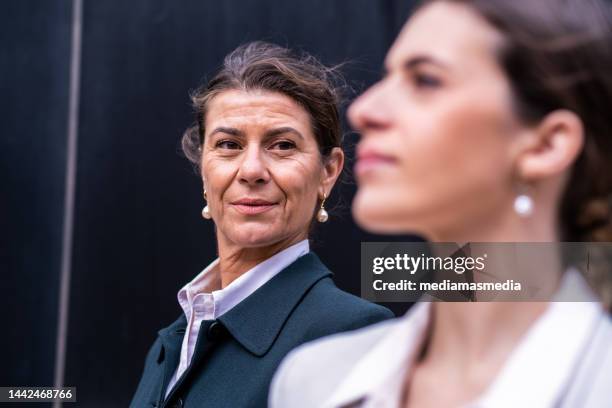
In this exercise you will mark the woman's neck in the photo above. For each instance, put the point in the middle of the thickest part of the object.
(236, 259)
(468, 343)
(479, 334)
(503, 226)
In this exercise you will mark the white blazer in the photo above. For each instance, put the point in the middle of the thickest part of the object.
(564, 360)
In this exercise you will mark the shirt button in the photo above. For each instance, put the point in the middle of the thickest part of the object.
(215, 331)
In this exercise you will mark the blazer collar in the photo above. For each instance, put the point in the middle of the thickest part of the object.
(172, 337)
(256, 321)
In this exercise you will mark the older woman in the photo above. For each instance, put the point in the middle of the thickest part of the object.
(491, 125)
(267, 142)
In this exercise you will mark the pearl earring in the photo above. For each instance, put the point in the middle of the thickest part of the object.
(523, 205)
(322, 215)
(206, 211)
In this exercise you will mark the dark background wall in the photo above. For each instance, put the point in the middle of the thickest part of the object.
(138, 233)
(34, 61)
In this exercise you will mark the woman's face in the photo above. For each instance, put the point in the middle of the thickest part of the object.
(262, 169)
(437, 130)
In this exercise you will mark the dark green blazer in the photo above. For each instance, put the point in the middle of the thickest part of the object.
(236, 355)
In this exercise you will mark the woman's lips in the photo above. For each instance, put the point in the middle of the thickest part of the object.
(369, 161)
(249, 206)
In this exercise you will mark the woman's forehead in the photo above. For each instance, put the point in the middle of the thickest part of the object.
(451, 33)
(256, 113)
(254, 106)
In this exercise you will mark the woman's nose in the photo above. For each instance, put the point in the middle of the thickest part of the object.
(253, 169)
(370, 111)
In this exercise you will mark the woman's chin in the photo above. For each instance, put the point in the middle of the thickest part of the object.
(372, 217)
(379, 217)
(255, 236)
(254, 241)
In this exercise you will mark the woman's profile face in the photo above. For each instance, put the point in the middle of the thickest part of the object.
(437, 130)
(261, 168)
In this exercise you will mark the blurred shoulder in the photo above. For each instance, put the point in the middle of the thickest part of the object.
(590, 386)
(306, 378)
(600, 351)
(347, 344)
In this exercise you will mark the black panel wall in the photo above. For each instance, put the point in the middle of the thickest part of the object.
(138, 233)
(34, 61)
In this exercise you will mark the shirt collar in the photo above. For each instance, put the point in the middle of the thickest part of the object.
(377, 379)
(209, 282)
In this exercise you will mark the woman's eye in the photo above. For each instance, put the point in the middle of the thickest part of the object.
(283, 145)
(227, 144)
(426, 81)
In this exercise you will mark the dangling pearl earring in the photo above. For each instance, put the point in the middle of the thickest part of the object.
(523, 205)
(206, 211)
(322, 215)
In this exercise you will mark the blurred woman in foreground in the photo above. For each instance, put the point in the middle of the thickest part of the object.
(491, 125)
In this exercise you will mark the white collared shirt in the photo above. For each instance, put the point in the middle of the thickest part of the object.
(203, 299)
(535, 375)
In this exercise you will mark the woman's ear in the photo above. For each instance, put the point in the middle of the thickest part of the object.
(203, 181)
(550, 148)
(332, 167)
(202, 175)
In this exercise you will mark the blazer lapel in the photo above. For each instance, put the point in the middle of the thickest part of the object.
(256, 321)
(168, 358)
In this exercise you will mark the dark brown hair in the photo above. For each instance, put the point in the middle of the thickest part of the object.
(557, 54)
(269, 67)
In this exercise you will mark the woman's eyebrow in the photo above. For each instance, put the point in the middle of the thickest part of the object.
(417, 60)
(228, 130)
(282, 130)
(413, 62)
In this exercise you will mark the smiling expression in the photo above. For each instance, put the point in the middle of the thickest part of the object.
(261, 167)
